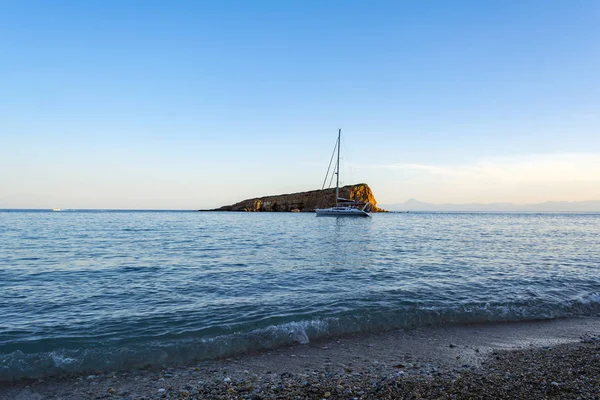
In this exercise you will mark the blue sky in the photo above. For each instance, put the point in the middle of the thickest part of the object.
(155, 104)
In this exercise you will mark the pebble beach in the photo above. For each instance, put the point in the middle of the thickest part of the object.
(557, 359)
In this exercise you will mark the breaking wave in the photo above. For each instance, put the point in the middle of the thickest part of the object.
(60, 360)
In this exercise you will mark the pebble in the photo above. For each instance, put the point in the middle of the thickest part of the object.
(508, 372)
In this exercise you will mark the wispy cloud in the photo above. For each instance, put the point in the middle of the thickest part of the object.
(546, 168)
(588, 116)
(517, 178)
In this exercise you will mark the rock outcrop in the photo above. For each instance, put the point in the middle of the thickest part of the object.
(305, 201)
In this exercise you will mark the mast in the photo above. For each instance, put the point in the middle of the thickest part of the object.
(337, 181)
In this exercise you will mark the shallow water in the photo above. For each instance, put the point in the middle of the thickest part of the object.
(92, 290)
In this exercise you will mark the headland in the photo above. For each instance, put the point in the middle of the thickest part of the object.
(305, 201)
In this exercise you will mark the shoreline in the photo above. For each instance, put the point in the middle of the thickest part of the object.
(417, 361)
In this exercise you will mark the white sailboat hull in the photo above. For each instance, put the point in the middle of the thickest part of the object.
(343, 207)
(341, 212)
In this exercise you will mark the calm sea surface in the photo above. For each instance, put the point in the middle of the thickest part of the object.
(84, 291)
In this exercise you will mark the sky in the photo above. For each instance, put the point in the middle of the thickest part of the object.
(197, 104)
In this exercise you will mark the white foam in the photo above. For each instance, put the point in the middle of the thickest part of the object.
(60, 359)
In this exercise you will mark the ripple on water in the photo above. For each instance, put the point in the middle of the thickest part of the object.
(93, 290)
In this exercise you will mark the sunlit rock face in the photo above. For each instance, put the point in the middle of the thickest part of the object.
(305, 201)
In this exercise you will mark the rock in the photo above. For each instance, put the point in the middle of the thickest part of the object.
(305, 201)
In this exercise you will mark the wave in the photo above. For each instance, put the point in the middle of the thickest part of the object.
(60, 359)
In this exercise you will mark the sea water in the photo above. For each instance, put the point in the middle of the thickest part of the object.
(87, 291)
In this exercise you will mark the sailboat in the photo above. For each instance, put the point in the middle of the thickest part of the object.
(343, 207)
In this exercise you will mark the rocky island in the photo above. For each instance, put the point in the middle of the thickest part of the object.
(305, 201)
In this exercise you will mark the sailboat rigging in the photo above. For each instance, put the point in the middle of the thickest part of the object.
(343, 207)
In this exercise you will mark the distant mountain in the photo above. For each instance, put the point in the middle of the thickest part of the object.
(552, 206)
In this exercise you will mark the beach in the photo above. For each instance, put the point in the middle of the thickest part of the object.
(537, 359)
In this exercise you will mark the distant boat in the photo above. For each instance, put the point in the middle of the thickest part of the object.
(56, 209)
(343, 207)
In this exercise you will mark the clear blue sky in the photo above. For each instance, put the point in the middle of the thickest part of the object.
(156, 104)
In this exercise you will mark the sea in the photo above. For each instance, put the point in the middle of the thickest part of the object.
(84, 291)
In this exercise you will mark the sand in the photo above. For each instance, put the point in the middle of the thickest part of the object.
(541, 359)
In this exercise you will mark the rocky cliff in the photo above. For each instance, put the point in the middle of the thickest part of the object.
(305, 201)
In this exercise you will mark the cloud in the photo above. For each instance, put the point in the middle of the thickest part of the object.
(589, 116)
(517, 178)
(540, 168)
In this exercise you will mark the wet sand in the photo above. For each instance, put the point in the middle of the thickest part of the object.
(552, 359)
